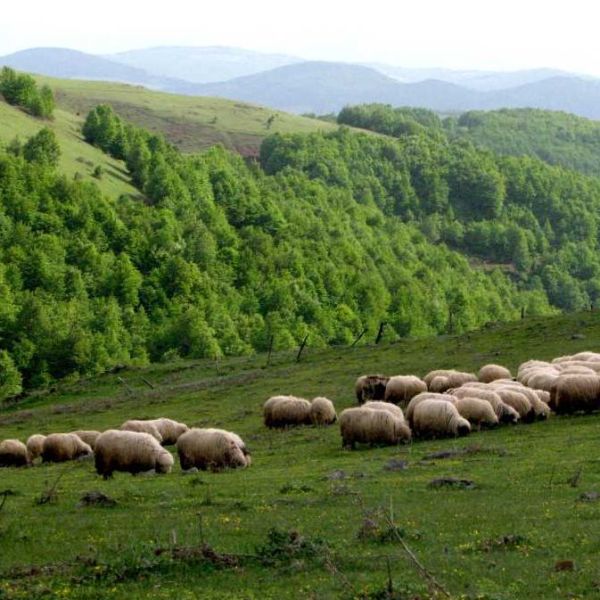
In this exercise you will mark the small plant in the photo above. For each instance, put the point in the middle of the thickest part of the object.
(284, 546)
(98, 172)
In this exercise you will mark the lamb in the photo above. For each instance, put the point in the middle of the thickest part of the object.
(370, 387)
(205, 448)
(401, 388)
(88, 436)
(284, 411)
(322, 411)
(60, 447)
(142, 427)
(410, 409)
(476, 411)
(372, 426)
(169, 429)
(35, 445)
(573, 393)
(504, 412)
(435, 418)
(13, 453)
(131, 452)
(489, 373)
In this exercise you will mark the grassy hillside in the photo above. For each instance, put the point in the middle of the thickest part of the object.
(77, 155)
(191, 123)
(500, 540)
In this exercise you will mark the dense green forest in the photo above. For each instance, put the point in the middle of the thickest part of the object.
(220, 256)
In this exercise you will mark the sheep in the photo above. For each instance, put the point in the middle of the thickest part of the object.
(543, 395)
(476, 411)
(540, 409)
(401, 388)
(439, 384)
(370, 387)
(131, 452)
(142, 427)
(435, 418)
(35, 445)
(169, 429)
(455, 379)
(60, 447)
(542, 380)
(88, 436)
(410, 409)
(205, 448)
(379, 405)
(322, 411)
(492, 372)
(372, 426)
(573, 393)
(517, 400)
(504, 412)
(283, 411)
(237, 440)
(13, 453)
(586, 355)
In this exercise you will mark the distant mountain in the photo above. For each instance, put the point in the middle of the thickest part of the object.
(72, 64)
(323, 87)
(202, 64)
(483, 81)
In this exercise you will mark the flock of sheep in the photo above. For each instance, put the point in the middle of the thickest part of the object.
(391, 411)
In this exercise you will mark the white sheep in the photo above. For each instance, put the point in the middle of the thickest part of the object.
(372, 426)
(401, 388)
(141, 426)
(13, 453)
(438, 418)
(322, 411)
(209, 449)
(61, 447)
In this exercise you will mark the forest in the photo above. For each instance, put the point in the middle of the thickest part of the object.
(324, 237)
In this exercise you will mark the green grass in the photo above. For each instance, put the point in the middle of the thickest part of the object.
(521, 475)
(77, 156)
(192, 123)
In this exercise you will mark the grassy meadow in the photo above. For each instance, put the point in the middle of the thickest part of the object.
(308, 519)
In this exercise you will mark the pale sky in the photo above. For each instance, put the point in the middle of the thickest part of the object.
(482, 34)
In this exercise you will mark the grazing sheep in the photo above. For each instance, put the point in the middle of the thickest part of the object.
(439, 384)
(476, 411)
(517, 400)
(35, 445)
(504, 412)
(284, 411)
(13, 453)
(571, 369)
(586, 355)
(88, 436)
(322, 411)
(131, 452)
(542, 380)
(455, 378)
(237, 440)
(142, 427)
(410, 409)
(379, 405)
(540, 409)
(370, 387)
(435, 418)
(371, 426)
(169, 429)
(401, 388)
(60, 447)
(574, 393)
(543, 395)
(209, 449)
(489, 373)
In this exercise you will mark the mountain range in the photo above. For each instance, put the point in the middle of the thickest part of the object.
(292, 84)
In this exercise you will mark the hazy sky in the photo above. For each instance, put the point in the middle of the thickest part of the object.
(484, 34)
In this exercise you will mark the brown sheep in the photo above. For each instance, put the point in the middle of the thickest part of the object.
(209, 449)
(371, 426)
(489, 373)
(322, 411)
(436, 418)
(132, 452)
(13, 453)
(286, 411)
(401, 388)
(370, 387)
(60, 447)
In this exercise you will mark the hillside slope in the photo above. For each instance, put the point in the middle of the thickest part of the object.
(77, 156)
(306, 508)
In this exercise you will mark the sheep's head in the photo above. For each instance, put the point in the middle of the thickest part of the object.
(164, 462)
